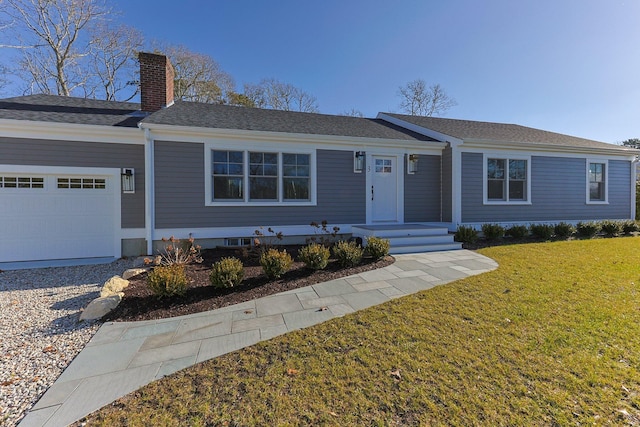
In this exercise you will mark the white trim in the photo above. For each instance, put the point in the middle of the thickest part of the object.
(232, 232)
(534, 153)
(149, 190)
(456, 183)
(271, 148)
(588, 163)
(562, 150)
(505, 156)
(113, 175)
(28, 129)
(634, 178)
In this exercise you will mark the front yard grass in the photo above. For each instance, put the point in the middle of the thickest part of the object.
(552, 337)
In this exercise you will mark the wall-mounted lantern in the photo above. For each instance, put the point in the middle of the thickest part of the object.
(358, 161)
(128, 176)
(412, 163)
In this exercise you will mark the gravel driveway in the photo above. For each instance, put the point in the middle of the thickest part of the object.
(40, 332)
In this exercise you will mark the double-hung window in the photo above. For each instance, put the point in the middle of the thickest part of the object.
(506, 180)
(260, 177)
(596, 181)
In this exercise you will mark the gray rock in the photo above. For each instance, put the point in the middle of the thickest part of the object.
(114, 286)
(133, 272)
(100, 306)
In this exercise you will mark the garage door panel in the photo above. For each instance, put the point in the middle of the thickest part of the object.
(58, 223)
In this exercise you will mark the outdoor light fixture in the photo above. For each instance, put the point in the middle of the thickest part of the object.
(358, 161)
(412, 163)
(128, 180)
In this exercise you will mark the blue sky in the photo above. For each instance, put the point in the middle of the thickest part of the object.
(569, 66)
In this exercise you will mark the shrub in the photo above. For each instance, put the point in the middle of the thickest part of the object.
(167, 280)
(517, 231)
(348, 254)
(542, 231)
(466, 234)
(630, 226)
(564, 230)
(611, 228)
(227, 273)
(176, 251)
(588, 229)
(275, 263)
(377, 248)
(492, 231)
(314, 256)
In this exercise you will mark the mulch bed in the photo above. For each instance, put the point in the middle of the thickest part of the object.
(139, 303)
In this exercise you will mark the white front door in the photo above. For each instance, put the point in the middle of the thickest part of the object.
(384, 189)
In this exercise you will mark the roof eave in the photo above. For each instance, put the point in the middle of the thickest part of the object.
(530, 146)
(58, 131)
(199, 132)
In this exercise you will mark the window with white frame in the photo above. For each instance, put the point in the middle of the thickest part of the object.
(597, 181)
(260, 176)
(507, 180)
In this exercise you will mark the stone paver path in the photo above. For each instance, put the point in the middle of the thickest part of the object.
(122, 357)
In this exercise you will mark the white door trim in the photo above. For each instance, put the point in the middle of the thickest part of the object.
(400, 172)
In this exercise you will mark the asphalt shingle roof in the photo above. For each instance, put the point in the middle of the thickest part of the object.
(65, 109)
(201, 115)
(468, 130)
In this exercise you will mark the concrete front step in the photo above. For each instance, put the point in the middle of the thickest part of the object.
(409, 238)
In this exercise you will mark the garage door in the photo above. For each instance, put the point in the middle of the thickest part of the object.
(62, 216)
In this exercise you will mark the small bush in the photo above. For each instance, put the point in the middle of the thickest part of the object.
(492, 231)
(167, 280)
(227, 273)
(542, 231)
(517, 231)
(564, 230)
(588, 229)
(275, 263)
(348, 254)
(315, 256)
(377, 248)
(630, 226)
(611, 228)
(466, 234)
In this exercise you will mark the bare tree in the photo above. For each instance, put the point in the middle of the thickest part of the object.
(353, 113)
(274, 94)
(417, 99)
(198, 78)
(113, 62)
(51, 35)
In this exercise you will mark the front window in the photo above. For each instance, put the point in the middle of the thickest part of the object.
(261, 177)
(228, 175)
(507, 180)
(597, 182)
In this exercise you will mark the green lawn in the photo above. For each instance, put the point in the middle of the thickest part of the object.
(552, 337)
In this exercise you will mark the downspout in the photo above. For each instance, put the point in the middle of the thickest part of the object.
(149, 202)
(456, 185)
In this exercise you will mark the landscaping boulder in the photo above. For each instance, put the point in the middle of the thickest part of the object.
(100, 306)
(128, 274)
(114, 286)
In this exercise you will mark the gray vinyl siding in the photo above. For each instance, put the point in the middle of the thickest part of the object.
(36, 152)
(447, 185)
(180, 193)
(422, 191)
(558, 192)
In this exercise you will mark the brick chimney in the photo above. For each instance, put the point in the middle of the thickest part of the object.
(156, 82)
